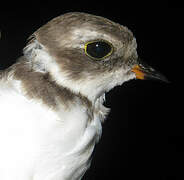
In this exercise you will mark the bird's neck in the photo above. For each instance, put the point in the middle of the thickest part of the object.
(43, 87)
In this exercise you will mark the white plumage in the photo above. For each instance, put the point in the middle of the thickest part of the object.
(51, 100)
(36, 141)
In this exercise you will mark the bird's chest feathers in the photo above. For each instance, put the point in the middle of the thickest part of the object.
(79, 126)
(72, 138)
(61, 140)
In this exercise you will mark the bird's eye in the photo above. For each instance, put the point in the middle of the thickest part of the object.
(99, 49)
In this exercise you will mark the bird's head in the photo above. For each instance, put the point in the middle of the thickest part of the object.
(87, 54)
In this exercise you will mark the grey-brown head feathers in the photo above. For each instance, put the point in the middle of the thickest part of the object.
(57, 49)
(64, 38)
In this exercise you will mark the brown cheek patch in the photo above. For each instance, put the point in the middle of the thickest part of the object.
(77, 65)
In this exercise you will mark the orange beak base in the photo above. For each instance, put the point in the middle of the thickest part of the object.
(138, 72)
(146, 72)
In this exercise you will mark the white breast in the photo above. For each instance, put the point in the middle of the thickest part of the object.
(39, 143)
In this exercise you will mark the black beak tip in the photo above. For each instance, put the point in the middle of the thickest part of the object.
(157, 76)
(146, 72)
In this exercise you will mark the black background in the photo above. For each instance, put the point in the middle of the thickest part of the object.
(143, 136)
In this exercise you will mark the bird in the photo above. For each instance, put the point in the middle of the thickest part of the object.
(51, 98)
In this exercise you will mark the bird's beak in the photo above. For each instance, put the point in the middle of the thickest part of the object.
(143, 71)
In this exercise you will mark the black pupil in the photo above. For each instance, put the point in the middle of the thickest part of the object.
(98, 49)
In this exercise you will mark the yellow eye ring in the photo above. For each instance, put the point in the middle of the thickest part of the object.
(98, 49)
